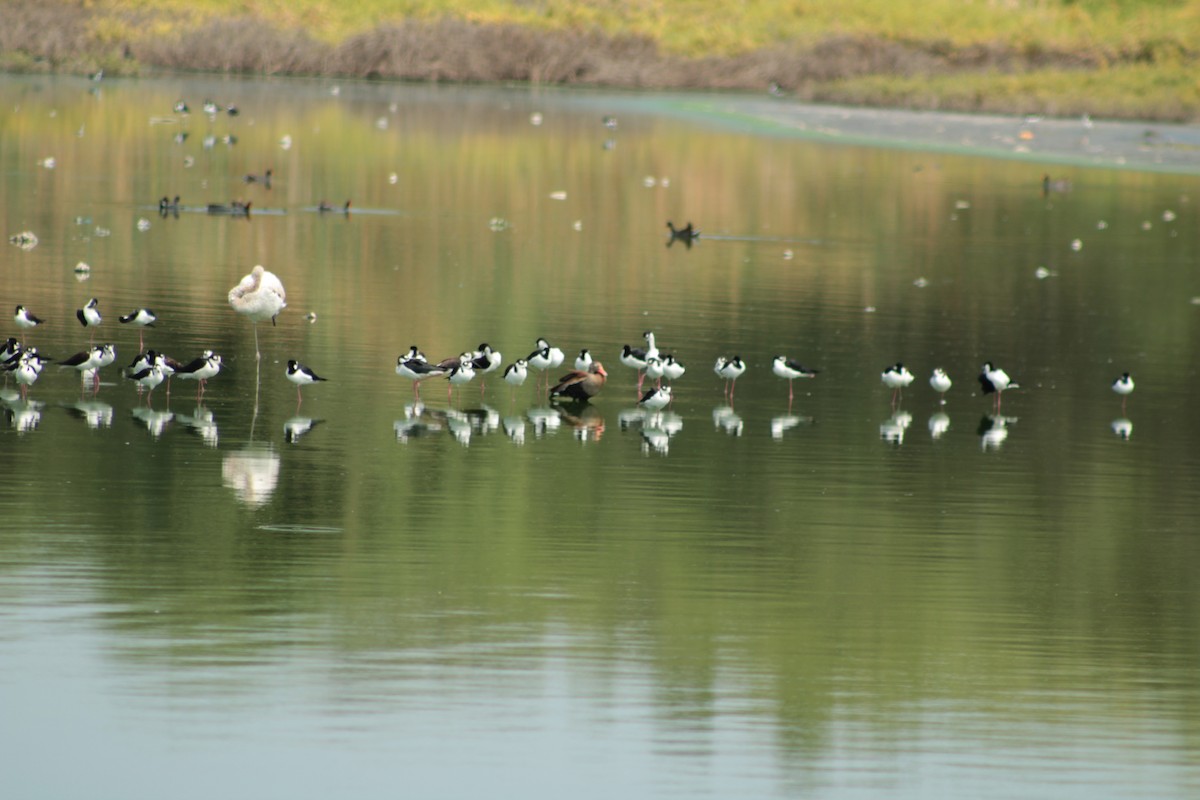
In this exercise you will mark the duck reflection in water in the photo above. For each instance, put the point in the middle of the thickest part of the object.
(939, 423)
(993, 430)
(584, 421)
(892, 429)
(252, 473)
(1123, 427)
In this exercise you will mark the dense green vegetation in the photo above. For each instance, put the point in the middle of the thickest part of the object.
(1119, 59)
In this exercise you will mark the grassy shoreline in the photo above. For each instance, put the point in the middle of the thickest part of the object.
(1125, 60)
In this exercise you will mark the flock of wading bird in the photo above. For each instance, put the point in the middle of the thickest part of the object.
(260, 296)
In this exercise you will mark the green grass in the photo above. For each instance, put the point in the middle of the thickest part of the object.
(698, 28)
(1111, 57)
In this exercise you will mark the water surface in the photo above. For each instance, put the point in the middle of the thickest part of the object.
(836, 597)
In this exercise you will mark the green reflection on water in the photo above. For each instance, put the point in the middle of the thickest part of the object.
(823, 576)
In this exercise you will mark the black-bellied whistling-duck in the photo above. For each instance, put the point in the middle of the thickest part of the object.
(581, 386)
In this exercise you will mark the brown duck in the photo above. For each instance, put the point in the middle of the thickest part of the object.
(581, 386)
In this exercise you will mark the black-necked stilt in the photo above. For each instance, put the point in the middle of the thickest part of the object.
(25, 319)
(730, 369)
(581, 386)
(417, 369)
(896, 377)
(28, 368)
(460, 373)
(1124, 387)
(258, 296)
(91, 360)
(542, 358)
(941, 383)
(651, 347)
(89, 315)
(149, 377)
(485, 360)
(200, 369)
(789, 370)
(301, 375)
(685, 234)
(672, 369)
(583, 361)
(181, 107)
(10, 351)
(993, 379)
(655, 399)
(655, 369)
(515, 374)
(413, 354)
(143, 318)
(634, 358)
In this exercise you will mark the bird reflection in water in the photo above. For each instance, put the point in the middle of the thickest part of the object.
(892, 429)
(252, 473)
(728, 420)
(296, 427)
(584, 421)
(546, 421)
(24, 416)
(514, 428)
(202, 422)
(786, 422)
(1123, 428)
(95, 413)
(155, 421)
(993, 430)
(415, 422)
(939, 423)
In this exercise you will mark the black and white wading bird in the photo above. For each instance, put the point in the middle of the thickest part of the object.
(301, 375)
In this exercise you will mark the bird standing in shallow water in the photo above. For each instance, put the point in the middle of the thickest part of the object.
(89, 316)
(941, 383)
(993, 379)
(143, 318)
(514, 375)
(896, 377)
(788, 369)
(301, 375)
(655, 399)
(258, 296)
(24, 319)
(581, 386)
(1124, 387)
(730, 369)
(416, 368)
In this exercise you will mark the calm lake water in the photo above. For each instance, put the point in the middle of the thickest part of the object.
(484, 596)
